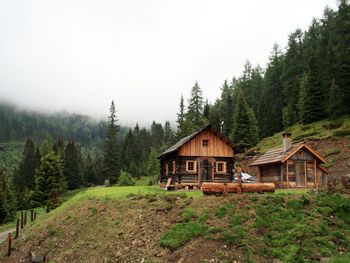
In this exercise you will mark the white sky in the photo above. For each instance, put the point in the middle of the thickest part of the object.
(78, 55)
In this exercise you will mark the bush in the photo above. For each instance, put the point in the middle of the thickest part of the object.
(125, 179)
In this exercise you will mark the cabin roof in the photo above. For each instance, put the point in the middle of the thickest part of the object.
(186, 139)
(279, 156)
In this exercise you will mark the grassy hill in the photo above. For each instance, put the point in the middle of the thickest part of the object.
(146, 224)
(339, 128)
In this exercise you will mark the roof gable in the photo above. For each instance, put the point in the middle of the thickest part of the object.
(187, 139)
(279, 156)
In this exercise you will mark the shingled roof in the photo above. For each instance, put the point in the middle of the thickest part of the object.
(279, 156)
(186, 139)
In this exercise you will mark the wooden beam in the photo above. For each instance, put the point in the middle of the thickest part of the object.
(305, 171)
(212, 170)
(315, 174)
(287, 175)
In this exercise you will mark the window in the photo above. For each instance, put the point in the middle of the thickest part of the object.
(191, 166)
(221, 167)
(205, 143)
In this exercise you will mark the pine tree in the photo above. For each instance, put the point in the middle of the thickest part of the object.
(245, 128)
(50, 182)
(111, 151)
(72, 171)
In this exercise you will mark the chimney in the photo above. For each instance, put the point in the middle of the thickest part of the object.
(287, 141)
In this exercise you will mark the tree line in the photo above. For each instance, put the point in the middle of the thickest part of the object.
(307, 82)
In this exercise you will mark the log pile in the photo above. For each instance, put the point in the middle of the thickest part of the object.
(222, 188)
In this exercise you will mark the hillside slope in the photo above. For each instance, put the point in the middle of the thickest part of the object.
(101, 225)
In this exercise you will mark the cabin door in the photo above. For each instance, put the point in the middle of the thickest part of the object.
(206, 169)
(300, 174)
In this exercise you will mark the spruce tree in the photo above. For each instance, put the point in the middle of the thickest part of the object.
(181, 120)
(152, 166)
(58, 147)
(72, 171)
(50, 182)
(195, 108)
(24, 177)
(245, 128)
(111, 151)
(227, 106)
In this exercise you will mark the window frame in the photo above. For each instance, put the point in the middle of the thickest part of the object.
(194, 166)
(205, 142)
(224, 170)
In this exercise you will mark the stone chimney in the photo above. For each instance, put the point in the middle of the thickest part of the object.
(287, 141)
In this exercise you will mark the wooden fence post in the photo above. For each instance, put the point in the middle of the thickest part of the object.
(34, 215)
(17, 228)
(31, 215)
(9, 239)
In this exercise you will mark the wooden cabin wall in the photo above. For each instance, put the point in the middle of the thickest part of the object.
(271, 174)
(216, 146)
(187, 177)
(165, 175)
(228, 175)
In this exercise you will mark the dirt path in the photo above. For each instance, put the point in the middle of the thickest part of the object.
(3, 235)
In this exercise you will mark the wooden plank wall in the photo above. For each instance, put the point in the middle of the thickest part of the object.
(216, 147)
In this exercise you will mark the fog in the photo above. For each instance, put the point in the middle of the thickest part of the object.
(79, 55)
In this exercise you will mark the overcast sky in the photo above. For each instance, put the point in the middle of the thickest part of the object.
(79, 55)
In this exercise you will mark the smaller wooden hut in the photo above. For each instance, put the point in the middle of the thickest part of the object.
(294, 165)
(204, 156)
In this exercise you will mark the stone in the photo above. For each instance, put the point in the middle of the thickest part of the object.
(181, 260)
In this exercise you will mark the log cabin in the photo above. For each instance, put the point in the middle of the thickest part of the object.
(204, 156)
(292, 166)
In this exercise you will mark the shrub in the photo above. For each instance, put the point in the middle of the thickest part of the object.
(125, 179)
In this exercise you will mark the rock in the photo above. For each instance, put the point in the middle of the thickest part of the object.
(181, 260)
